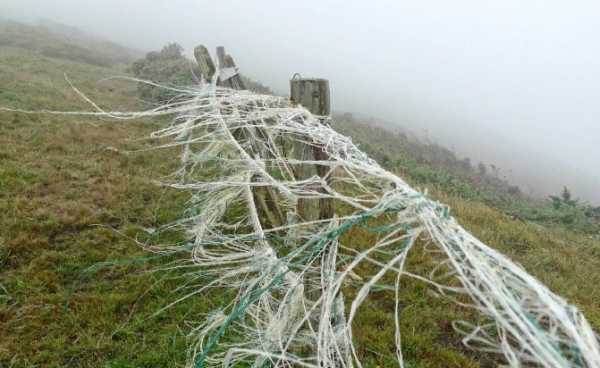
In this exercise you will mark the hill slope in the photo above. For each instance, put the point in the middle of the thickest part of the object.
(60, 41)
(62, 192)
(430, 164)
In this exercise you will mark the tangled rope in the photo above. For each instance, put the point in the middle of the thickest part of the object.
(287, 278)
(289, 308)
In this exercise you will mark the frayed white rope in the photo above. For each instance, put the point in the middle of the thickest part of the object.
(288, 308)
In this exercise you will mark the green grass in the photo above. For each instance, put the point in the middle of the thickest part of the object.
(431, 165)
(78, 291)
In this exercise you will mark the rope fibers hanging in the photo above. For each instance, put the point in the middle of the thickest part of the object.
(273, 270)
(287, 281)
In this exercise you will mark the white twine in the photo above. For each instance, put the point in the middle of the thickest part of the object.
(275, 315)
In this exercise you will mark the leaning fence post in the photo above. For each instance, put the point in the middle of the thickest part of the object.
(265, 197)
(205, 62)
(228, 72)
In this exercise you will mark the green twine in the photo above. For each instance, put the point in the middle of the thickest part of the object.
(317, 244)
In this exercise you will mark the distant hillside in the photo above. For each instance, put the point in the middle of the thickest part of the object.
(428, 164)
(64, 42)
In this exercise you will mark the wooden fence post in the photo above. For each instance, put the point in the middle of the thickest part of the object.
(205, 63)
(228, 72)
(264, 197)
(314, 95)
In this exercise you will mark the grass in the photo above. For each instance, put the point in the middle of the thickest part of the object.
(78, 291)
(59, 41)
(431, 165)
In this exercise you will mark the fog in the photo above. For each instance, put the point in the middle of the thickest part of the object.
(510, 82)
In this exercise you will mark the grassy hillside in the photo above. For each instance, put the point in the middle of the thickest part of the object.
(436, 167)
(60, 41)
(75, 292)
(78, 291)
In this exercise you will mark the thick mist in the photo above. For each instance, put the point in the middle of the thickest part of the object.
(510, 82)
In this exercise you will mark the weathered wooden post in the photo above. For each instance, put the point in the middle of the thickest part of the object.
(205, 63)
(228, 72)
(314, 95)
(264, 197)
